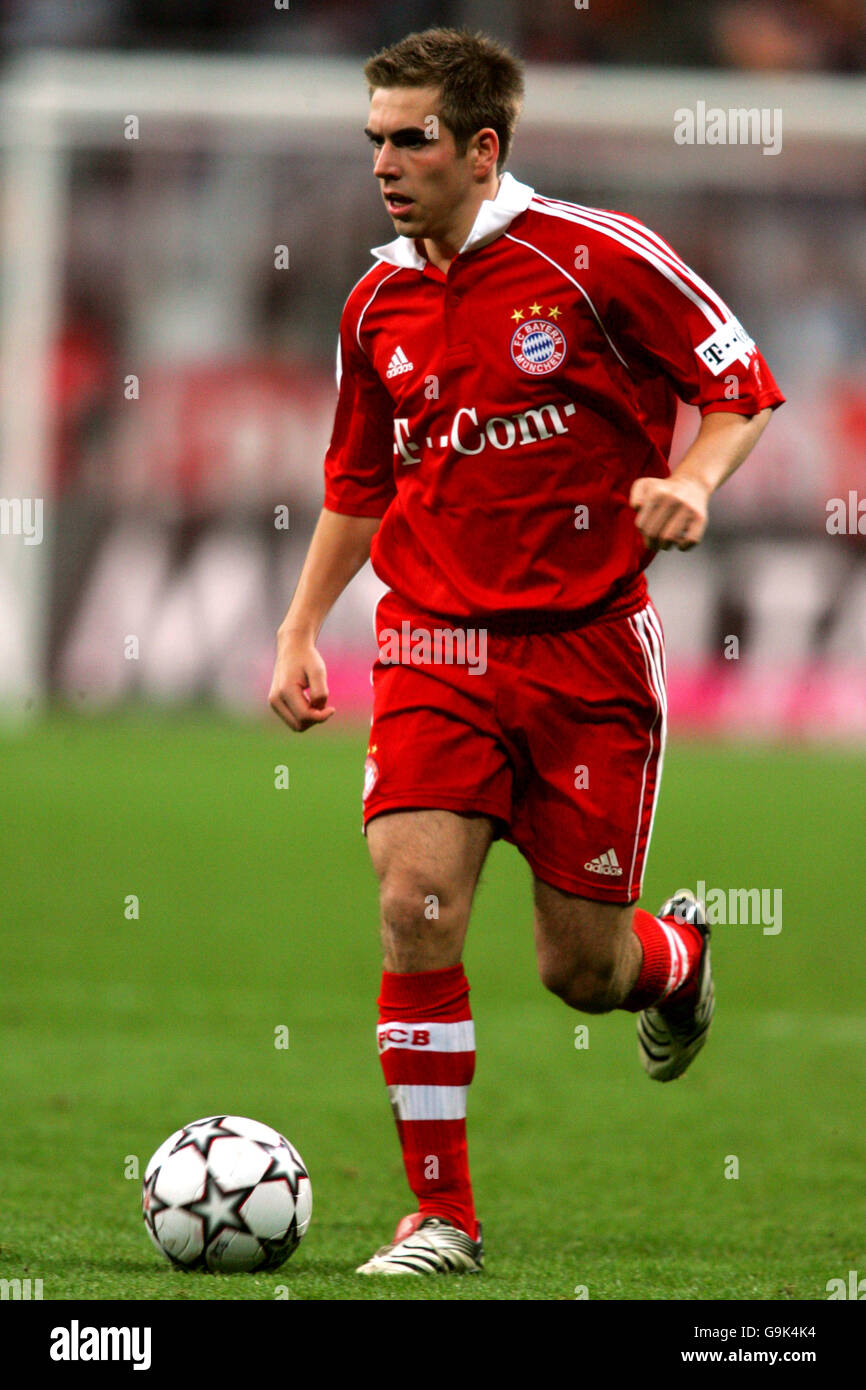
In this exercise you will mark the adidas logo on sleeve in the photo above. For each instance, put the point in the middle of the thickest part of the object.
(606, 863)
(399, 363)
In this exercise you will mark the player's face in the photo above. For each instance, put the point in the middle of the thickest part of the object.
(424, 182)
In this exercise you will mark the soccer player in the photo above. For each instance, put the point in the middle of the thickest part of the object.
(508, 372)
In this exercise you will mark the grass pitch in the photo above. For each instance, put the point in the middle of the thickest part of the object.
(257, 911)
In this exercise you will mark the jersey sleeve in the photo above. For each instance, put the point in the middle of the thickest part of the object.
(359, 463)
(662, 316)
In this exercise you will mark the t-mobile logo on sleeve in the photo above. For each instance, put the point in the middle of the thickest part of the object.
(727, 344)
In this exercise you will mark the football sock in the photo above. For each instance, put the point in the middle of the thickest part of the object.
(671, 952)
(427, 1050)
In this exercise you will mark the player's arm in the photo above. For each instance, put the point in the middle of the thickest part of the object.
(339, 548)
(665, 318)
(673, 511)
(359, 487)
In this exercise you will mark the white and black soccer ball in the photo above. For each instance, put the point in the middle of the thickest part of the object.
(226, 1194)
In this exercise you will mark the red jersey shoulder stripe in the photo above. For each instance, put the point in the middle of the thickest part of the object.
(661, 256)
(638, 231)
(629, 223)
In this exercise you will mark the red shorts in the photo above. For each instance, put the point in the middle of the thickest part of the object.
(559, 736)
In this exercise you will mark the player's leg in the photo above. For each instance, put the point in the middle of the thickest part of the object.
(597, 957)
(588, 953)
(601, 956)
(428, 863)
(595, 715)
(434, 743)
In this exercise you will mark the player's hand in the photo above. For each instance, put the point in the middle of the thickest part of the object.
(670, 511)
(299, 689)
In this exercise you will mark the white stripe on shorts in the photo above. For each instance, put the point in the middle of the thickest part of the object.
(648, 636)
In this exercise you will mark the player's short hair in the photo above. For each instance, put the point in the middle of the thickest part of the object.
(480, 81)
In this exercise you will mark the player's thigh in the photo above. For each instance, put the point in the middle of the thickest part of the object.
(428, 863)
(593, 722)
(579, 939)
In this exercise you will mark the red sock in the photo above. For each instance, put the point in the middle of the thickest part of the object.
(671, 951)
(427, 1050)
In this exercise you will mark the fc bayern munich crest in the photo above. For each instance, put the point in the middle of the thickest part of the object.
(371, 776)
(538, 346)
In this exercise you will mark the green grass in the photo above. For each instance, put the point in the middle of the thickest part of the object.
(257, 909)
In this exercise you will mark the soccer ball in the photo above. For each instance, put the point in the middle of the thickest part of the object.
(226, 1194)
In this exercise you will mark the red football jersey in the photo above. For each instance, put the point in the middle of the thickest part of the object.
(497, 416)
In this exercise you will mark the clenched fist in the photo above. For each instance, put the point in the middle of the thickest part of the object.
(299, 690)
(670, 511)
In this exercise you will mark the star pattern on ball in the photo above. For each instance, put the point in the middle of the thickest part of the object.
(219, 1209)
(151, 1204)
(284, 1163)
(201, 1134)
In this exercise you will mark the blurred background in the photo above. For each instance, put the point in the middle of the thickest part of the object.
(187, 200)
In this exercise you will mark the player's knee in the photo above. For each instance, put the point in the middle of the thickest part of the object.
(422, 927)
(592, 988)
(408, 903)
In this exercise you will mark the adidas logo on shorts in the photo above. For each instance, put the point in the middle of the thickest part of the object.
(399, 363)
(606, 863)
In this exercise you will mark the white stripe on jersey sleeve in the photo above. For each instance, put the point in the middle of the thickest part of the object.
(670, 272)
(656, 244)
(640, 233)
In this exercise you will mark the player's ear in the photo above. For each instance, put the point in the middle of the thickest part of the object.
(484, 149)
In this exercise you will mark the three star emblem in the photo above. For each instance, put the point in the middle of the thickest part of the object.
(534, 311)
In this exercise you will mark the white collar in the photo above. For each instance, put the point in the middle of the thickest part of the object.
(493, 217)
